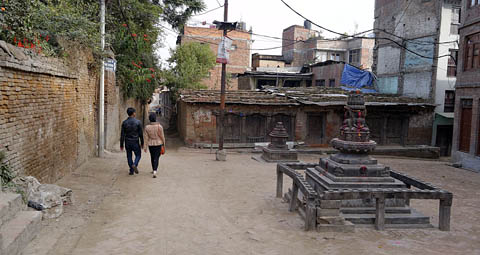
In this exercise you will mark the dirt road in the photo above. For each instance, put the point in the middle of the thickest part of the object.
(200, 206)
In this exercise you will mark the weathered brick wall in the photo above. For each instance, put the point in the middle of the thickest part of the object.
(47, 112)
(239, 60)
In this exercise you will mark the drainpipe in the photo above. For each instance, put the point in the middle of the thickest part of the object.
(101, 112)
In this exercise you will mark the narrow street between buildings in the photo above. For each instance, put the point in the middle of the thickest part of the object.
(201, 206)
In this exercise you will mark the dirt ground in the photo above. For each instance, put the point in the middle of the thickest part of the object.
(200, 206)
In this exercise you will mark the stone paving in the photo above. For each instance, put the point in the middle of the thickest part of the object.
(201, 206)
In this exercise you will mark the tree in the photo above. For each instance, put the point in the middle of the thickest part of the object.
(132, 32)
(189, 64)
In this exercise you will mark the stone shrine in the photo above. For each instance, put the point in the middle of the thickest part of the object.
(351, 187)
(277, 150)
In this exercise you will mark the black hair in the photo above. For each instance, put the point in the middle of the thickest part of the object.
(130, 111)
(152, 117)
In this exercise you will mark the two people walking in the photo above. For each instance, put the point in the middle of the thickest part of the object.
(134, 139)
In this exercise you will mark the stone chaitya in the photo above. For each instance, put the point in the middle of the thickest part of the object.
(277, 150)
(351, 187)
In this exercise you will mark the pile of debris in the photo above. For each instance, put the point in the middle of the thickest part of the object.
(47, 198)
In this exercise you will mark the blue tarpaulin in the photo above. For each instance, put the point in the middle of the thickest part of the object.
(355, 78)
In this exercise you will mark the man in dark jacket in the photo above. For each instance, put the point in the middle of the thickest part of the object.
(131, 133)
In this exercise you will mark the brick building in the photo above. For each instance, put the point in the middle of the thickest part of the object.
(271, 61)
(466, 135)
(415, 26)
(312, 115)
(304, 46)
(239, 53)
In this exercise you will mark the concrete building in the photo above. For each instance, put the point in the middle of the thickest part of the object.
(310, 115)
(269, 61)
(404, 31)
(466, 134)
(239, 52)
(304, 46)
(327, 74)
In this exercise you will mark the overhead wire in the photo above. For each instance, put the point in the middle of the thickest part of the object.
(362, 37)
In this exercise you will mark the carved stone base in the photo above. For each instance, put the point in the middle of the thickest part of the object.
(273, 155)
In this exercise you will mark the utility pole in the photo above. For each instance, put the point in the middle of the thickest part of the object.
(101, 124)
(221, 153)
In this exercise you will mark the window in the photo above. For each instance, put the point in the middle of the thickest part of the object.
(452, 63)
(336, 56)
(472, 52)
(331, 83)
(320, 83)
(354, 57)
(474, 2)
(449, 105)
(321, 56)
(456, 12)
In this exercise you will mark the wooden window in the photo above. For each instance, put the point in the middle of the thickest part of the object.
(256, 128)
(331, 83)
(465, 125)
(452, 63)
(449, 103)
(354, 57)
(472, 3)
(472, 52)
(320, 83)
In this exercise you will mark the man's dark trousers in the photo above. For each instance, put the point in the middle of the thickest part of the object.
(131, 146)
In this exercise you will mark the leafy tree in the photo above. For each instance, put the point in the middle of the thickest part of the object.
(132, 27)
(189, 64)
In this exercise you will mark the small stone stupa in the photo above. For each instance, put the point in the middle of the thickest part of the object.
(277, 150)
(352, 167)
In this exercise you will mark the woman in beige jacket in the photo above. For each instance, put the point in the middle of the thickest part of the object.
(154, 139)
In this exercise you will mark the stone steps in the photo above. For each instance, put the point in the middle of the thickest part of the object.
(19, 231)
(17, 226)
(414, 218)
(10, 204)
(371, 210)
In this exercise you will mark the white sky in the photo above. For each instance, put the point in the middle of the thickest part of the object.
(270, 17)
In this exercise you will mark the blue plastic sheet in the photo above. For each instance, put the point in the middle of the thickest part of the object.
(356, 78)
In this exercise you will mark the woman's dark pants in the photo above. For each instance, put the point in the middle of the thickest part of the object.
(155, 155)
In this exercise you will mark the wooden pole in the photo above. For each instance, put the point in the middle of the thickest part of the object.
(222, 88)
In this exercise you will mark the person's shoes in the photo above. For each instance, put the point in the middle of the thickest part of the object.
(130, 173)
(135, 168)
(154, 174)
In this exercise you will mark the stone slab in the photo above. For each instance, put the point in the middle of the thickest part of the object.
(348, 227)
(10, 204)
(18, 232)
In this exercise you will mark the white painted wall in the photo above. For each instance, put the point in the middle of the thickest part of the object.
(443, 82)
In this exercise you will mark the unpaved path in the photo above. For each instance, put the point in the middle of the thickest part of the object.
(200, 206)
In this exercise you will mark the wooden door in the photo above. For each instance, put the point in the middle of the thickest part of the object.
(315, 129)
(232, 130)
(465, 126)
(256, 128)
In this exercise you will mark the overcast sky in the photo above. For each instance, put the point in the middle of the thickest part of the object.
(270, 17)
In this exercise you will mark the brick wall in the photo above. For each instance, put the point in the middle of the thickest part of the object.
(239, 60)
(47, 112)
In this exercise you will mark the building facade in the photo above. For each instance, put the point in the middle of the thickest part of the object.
(304, 46)
(310, 115)
(269, 61)
(411, 58)
(466, 134)
(239, 61)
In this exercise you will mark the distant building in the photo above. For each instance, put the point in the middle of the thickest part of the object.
(466, 135)
(239, 53)
(271, 61)
(407, 63)
(303, 46)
